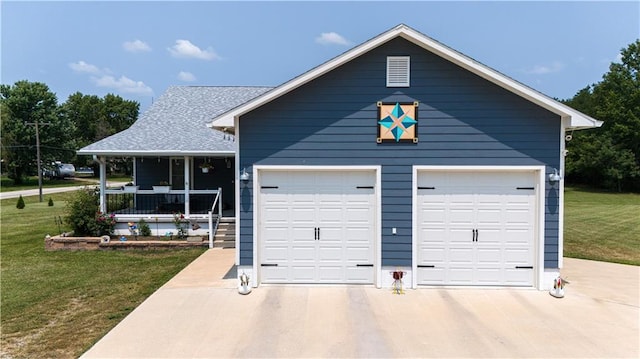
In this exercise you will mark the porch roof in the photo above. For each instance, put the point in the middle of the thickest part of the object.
(176, 124)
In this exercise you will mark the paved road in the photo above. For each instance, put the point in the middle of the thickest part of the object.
(34, 192)
(199, 314)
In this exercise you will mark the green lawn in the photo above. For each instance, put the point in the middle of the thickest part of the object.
(602, 226)
(57, 304)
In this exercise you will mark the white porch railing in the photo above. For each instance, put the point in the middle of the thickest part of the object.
(213, 227)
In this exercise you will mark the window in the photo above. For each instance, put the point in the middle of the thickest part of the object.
(177, 173)
(398, 71)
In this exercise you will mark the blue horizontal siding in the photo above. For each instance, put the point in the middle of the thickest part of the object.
(462, 120)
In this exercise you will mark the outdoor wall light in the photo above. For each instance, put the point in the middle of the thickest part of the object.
(555, 176)
(244, 176)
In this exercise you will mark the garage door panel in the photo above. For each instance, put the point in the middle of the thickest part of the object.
(518, 257)
(330, 275)
(300, 253)
(276, 253)
(460, 276)
(355, 214)
(489, 276)
(431, 276)
(492, 236)
(460, 256)
(329, 225)
(517, 237)
(278, 234)
(479, 222)
(358, 255)
(485, 256)
(519, 277)
(489, 217)
(460, 235)
(358, 275)
(330, 254)
(432, 256)
(274, 274)
(300, 274)
(357, 233)
(276, 214)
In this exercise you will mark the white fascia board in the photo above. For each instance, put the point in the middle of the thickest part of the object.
(157, 153)
(578, 119)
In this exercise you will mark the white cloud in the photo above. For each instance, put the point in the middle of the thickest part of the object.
(184, 48)
(618, 58)
(123, 84)
(331, 38)
(186, 76)
(83, 67)
(136, 46)
(556, 66)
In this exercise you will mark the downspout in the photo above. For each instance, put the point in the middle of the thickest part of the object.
(103, 182)
(563, 153)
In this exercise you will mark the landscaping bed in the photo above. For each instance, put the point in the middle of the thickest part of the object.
(65, 242)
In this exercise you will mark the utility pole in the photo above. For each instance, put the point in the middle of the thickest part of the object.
(38, 150)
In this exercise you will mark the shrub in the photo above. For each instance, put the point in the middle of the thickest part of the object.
(20, 204)
(84, 216)
(144, 229)
(50, 204)
(104, 224)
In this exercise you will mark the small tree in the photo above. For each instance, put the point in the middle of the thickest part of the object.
(20, 204)
(50, 204)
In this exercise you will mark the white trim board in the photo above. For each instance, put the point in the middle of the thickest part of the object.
(540, 206)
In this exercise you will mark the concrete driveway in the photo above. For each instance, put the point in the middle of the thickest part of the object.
(199, 314)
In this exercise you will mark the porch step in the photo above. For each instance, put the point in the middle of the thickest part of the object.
(226, 234)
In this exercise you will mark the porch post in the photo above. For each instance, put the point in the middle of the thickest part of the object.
(103, 184)
(187, 173)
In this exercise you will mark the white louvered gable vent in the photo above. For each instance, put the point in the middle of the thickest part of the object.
(398, 70)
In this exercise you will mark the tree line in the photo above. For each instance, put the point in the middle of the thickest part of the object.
(609, 157)
(63, 128)
(606, 157)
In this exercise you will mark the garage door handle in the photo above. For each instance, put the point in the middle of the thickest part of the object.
(474, 233)
(477, 235)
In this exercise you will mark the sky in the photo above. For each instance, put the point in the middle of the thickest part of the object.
(138, 49)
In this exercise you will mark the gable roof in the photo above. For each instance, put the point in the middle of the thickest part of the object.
(176, 124)
(571, 118)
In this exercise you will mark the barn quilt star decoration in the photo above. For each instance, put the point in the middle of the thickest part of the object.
(397, 122)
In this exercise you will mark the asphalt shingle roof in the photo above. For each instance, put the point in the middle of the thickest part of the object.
(176, 123)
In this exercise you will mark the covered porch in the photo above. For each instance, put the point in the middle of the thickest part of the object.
(197, 190)
(172, 143)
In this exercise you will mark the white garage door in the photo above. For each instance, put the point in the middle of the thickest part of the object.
(476, 228)
(316, 227)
